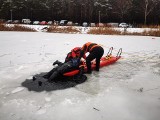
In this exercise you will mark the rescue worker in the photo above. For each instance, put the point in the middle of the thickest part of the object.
(95, 52)
(75, 52)
(72, 62)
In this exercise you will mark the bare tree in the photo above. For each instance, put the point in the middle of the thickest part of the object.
(122, 8)
(147, 7)
(137, 11)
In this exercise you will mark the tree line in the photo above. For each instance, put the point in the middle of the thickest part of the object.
(130, 11)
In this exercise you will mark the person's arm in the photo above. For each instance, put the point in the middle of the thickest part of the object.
(84, 56)
(68, 57)
(83, 51)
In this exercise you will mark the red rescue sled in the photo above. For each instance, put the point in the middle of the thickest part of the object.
(105, 61)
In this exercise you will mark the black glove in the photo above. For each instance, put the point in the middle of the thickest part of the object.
(57, 62)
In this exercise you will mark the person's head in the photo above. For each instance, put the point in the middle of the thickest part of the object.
(76, 51)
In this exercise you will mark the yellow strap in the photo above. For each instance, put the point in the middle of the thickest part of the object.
(108, 57)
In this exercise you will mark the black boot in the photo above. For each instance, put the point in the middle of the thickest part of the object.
(34, 78)
(57, 62)
(88, 72)
(97, 67)
(88, 62)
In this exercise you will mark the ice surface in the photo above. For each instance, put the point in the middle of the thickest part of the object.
(128, 89)
(18, 89)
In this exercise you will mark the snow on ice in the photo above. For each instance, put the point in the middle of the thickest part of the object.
(128, 89)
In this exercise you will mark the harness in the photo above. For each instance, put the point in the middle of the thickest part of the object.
(88, 47)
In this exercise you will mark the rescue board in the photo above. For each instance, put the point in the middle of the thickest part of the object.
(105, 61)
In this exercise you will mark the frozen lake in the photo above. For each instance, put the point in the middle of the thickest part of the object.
(128, 89)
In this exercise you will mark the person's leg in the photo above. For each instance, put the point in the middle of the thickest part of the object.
(68, 57)
(60, 70)
(81, 71)
(47, 76)
(99, 54)
(50, 73)
(56, 72)
(66, 67)
(97, 64)
(53, 76)
(89, 58)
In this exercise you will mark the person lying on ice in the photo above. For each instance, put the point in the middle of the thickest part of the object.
(95, 52)
(72, 62)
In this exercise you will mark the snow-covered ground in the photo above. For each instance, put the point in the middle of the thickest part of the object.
(126, 90)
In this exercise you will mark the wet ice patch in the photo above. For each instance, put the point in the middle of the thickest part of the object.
(18, 89)
(135, 62)
(122, 70)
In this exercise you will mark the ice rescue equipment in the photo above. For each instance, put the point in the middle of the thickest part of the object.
(105, 61)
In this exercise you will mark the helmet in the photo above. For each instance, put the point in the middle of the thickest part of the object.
(76, 51)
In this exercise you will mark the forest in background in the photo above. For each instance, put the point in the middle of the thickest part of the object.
(130, 11)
